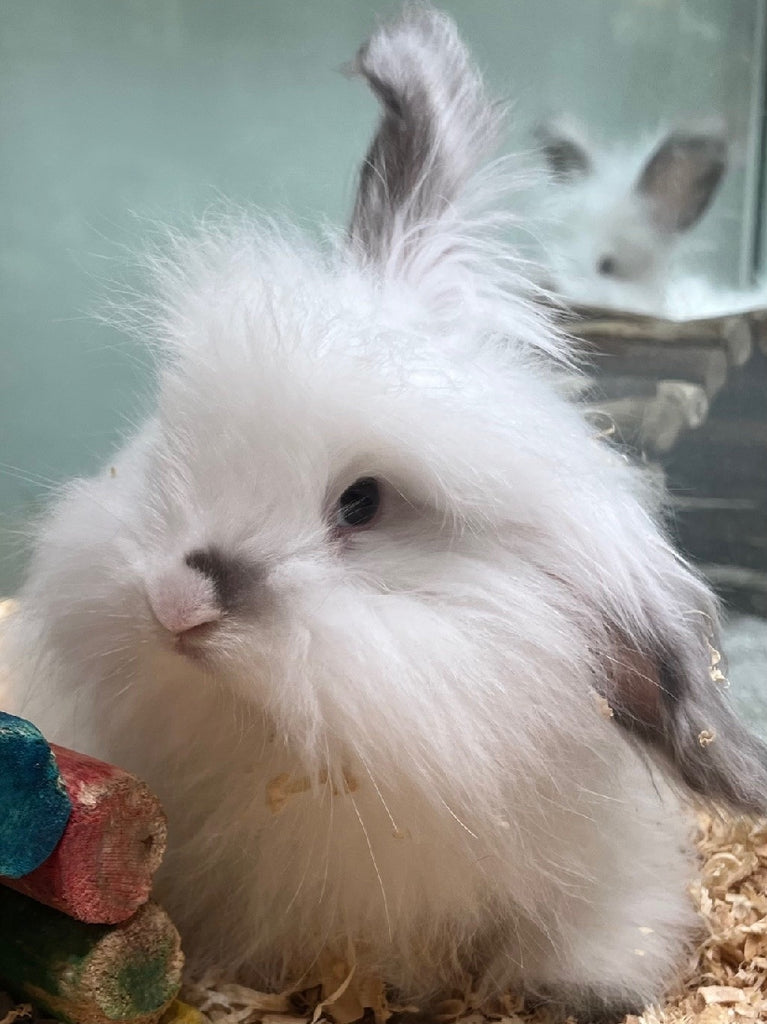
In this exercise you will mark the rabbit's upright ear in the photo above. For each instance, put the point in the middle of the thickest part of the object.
(681, 177)
(564, 149)
(436, 127)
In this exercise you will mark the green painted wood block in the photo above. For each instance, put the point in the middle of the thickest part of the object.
(85, 973)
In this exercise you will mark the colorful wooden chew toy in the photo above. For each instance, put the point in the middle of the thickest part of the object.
(101, 871)
(34, 806)
(79, 843)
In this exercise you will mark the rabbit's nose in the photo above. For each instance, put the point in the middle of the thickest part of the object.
(183, 601)
(200, 589)
(230, 579)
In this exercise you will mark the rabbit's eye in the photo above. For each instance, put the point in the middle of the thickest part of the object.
(359, 504)
(607, 266)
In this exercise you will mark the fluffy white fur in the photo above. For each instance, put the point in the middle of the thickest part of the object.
(423, 692)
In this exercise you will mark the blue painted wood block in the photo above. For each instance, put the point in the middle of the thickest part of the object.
(34, 805)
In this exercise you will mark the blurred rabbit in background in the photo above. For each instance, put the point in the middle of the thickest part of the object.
(615, 217)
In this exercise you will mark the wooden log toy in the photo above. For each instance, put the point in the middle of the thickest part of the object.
(654, 422)
(706, 367)
(678, 406)
(34, 805)
(89, 974)
(619, 330)
(101, 870)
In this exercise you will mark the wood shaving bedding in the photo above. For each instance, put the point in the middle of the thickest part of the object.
(726, 982)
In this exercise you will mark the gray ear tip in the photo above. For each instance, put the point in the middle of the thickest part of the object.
(437, 123)
(683, 174)
(712, 149)
(564, 146)
(415, 59)
(709, 139)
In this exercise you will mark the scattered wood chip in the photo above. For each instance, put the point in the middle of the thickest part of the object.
(603, 706)
(721, 994)
(281, 788)
(716, 657)
(17, 1013)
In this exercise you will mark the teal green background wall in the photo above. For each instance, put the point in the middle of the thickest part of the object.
(114, 113)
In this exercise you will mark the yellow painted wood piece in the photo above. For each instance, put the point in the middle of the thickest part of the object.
(182, 1013)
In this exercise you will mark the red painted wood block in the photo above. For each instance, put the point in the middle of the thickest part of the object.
(101, 871)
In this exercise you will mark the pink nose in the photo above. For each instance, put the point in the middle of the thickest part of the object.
(180, 620)
(182, 600)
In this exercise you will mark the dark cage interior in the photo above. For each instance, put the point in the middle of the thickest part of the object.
(691, 399)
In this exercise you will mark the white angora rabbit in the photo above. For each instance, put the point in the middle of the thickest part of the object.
(356, 599)
(617, 216)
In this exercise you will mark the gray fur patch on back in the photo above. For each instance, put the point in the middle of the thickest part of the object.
(436, 127)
